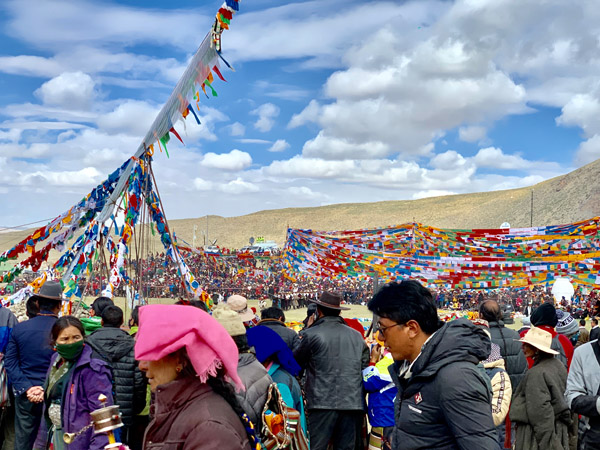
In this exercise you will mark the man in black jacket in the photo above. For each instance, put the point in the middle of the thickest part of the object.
(443, 399)
(274, 318)
(508, 341)
(334, 356)
(115, 346)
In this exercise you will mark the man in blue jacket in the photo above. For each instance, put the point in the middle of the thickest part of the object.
(7, 425)
(27, 359)
(443, 399)
(382, 393)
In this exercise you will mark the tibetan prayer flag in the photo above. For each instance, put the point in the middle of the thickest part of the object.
(190, 109)
(219, 74)
(172, 130)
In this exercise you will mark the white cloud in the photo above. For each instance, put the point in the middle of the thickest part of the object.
(496, 183)
(309, 114)
(253, 141)
(327, 147)
(131, 117)
(203, 185)
(588, 150)
(71, 90)
(279, 145)
(431, 193)
(234, 160)
(344, 24)
(233, 187)
(193, 132)
(306, 193)
(282, 91)
(471, 133)
(493, 157)
(12, 135)
(394, 103)
(239, 186)
(448, 160)
(37, 125)
(30, 65)
(300, 167)
(68, 23)
(58, 113)
(84, 177)
(582, 110)
(267, 113)
(237, 129)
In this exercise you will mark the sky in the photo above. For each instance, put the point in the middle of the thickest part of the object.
(330, 101)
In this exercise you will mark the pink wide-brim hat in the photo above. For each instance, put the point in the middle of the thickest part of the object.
(164, 329)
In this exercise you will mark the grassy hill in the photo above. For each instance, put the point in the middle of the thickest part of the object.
(564, 199)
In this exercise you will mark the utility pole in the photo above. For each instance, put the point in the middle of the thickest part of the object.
(207, 241)
(194, 238)
(531, 215)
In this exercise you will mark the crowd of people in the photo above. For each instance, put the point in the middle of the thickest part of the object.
(262, 278)
(221, 276)
(188, 377)
(581, 305)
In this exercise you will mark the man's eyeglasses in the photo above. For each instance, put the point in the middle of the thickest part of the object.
(381, 329)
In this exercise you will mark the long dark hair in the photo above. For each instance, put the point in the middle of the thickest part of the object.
(63, 323)
(225, 390)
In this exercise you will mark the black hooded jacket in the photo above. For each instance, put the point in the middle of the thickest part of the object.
(511, 350)
(115, 346)
(445, 403)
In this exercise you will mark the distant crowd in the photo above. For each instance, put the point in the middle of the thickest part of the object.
(221, 276)
(262, 279)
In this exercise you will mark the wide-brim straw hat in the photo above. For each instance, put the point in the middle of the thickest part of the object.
(540, 339)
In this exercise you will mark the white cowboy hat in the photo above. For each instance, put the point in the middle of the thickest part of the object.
(540, 339)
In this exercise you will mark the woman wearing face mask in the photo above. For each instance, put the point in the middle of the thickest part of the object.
(75, 381)
(189, 359)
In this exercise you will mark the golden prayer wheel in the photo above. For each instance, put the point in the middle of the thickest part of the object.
(104, 420)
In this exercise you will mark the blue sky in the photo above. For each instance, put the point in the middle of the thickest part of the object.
(337, 101)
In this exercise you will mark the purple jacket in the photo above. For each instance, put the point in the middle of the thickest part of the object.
(90, 378)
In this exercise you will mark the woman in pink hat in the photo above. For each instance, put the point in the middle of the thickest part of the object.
(189, 360)
(539, 408)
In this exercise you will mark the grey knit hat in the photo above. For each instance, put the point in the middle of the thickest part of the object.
(566, 325)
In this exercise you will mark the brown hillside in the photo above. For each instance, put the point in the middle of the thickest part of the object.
(564, 199)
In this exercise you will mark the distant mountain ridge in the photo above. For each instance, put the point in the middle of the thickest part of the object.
(564, 199)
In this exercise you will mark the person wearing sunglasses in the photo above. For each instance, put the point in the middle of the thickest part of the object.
(443, 399)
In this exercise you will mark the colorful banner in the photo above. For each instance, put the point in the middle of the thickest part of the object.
(479, 258)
